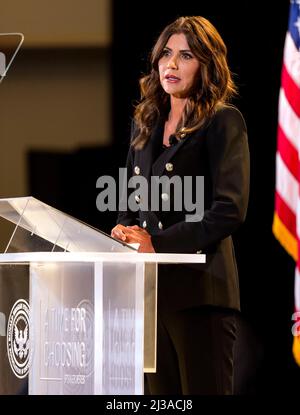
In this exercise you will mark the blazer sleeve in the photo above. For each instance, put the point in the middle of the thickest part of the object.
(228, 155)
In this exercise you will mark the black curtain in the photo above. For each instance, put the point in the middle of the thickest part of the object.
(254, 33)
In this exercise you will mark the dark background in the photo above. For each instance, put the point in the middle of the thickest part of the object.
(254, 32)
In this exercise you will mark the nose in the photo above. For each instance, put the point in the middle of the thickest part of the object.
(172, 64)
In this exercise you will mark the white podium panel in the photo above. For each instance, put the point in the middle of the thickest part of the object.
(88, 319)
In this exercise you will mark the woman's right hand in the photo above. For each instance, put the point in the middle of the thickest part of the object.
(118, 232)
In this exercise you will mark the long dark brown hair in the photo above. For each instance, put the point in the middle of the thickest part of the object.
(213, 83)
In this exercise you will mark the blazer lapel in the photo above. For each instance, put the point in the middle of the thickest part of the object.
(159, 165)
(147, 156)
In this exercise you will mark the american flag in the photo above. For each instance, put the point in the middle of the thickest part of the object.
(286, 224)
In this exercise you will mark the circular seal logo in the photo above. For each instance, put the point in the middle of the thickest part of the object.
(18, 338)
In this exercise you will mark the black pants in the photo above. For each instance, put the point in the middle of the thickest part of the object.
(195, 350)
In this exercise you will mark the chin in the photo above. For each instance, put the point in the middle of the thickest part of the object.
(173, 91)
(179, 94)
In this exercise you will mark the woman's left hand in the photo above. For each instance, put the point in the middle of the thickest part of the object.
(135, 234)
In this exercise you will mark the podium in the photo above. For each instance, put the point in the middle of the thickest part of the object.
(77, 307)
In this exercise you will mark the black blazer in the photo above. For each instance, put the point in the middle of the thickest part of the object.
(219, 152)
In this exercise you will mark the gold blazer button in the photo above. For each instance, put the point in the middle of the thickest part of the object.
(169, 166)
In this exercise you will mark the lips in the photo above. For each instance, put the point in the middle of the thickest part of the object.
(172, 78)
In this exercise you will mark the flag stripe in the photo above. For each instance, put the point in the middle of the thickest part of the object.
(292, 90)
(288, 120)
(288, 152)
(291, 59)
(286, 184)
(287, 217)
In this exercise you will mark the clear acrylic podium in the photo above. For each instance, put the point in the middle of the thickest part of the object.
(77, 307)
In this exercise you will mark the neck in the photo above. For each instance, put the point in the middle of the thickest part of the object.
(177, 107)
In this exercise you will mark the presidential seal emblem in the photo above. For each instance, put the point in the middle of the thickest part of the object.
(18, 345)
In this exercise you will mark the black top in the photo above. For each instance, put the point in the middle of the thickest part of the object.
(163, 148)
